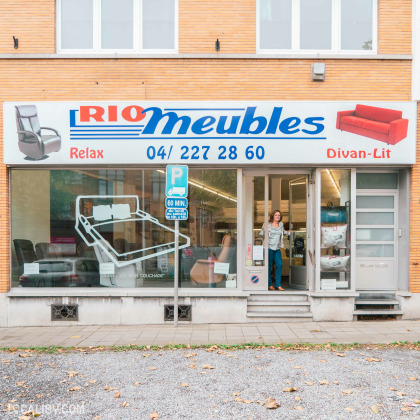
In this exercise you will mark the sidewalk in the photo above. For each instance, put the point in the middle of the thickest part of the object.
(269, 333)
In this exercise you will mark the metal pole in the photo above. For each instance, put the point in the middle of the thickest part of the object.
(176, 273)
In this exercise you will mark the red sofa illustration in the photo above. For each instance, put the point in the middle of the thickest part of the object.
(382, 124)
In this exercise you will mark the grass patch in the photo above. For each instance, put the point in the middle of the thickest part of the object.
(211, 347)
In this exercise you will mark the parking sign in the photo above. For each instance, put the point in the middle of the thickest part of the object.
(176, 181)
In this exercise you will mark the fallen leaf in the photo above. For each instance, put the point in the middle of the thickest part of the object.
(416, 401)
(93, 381)
(401, 394)
(347, 392)
(412, 378)
(75, 336)
(372, 359)
(291, 389)
(298, 398)
(208, 367)
(72, 373)
(299, 408)
(324, 383)
(237, 399)
(137, 383)
(375, 409)
(392, 389)
(297, 367)
(117, 395)
(193, 365)
(185, 384)
(348, 409)
(248, 402)
(125, 404)
(336, 382)
(146, 355)
(25, 355)
(235, 394)
(271, 404)
(322, 361)
(75, 388)
(341, 354)
(260, 402)
(315, 330)
(154, 415)
(309, 383)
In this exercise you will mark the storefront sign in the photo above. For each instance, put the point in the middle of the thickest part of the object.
(250, 132)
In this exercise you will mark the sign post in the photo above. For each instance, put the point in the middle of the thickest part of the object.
(176, 205)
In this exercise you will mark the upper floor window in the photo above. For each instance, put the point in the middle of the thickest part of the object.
(321, 25)
(117, 25)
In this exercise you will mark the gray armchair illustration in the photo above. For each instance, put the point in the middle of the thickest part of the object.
(32, 142)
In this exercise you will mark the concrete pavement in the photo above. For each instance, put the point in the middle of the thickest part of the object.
(363, 332)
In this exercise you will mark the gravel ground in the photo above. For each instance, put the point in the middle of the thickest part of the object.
(202, 384)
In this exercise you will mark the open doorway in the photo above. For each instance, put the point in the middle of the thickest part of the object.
(264, 194)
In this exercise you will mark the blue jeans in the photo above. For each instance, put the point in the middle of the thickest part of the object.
(278, 261)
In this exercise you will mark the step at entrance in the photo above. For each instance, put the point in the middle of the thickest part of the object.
(381, 304)
(278, 307)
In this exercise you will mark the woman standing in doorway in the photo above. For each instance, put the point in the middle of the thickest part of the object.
(276, 234)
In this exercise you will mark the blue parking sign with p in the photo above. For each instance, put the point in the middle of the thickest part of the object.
(176, 181)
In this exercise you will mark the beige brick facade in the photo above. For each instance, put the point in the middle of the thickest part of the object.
(200, 24)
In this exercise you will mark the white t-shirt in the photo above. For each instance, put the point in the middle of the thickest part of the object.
(275, 236)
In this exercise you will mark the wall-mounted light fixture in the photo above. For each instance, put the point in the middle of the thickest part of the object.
(16, 43)
(318, 72)
(217, 45)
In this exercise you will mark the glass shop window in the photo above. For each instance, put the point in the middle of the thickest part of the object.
(335, 229)
(107, 228)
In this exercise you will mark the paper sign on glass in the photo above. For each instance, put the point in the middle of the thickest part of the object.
(31, 268)
(107, 269)
(258, 252)
(328, 284)
(221, 268)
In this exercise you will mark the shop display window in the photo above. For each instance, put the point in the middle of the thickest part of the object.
(335, 229)
(107, 228)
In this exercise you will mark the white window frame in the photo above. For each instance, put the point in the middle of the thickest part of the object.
(137, 33)
(335, 32)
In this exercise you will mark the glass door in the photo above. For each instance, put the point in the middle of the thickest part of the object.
(256, 240)
(376, 231)
(298, 188)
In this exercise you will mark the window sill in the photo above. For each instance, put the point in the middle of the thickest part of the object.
(259, 56)
(29, 292)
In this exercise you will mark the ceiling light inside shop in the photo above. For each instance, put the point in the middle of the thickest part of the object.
(205, 188)
(333, 181)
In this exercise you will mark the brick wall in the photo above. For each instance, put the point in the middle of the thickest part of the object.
(201, 23)
(415, 217)
(32, 22)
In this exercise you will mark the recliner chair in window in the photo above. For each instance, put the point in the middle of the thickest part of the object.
(25, 252)
(32, 142)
